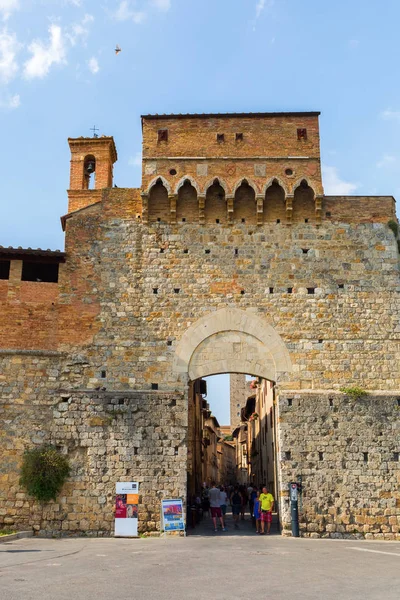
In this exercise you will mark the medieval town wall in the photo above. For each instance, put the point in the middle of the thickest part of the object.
(345, 452)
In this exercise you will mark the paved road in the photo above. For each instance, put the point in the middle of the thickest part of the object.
(199, 567)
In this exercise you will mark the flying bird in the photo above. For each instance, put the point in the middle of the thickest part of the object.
(117, 49)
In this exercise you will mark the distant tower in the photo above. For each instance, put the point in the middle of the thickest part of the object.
(238, 397)
(92, 161)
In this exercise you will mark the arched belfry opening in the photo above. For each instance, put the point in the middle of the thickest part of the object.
(187, 207)
(244, 204)
(158, 208)
(215, 206)
(275, 204)
(303, 203)
(89, 172)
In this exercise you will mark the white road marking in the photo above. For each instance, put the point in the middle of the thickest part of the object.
(53, 565)
(375, 551)
(101, 554)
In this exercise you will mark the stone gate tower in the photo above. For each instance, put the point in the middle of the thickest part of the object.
(228, 259)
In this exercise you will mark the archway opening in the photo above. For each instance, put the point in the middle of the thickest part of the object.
(303, 204)
(231, 444)
(215, 207)
(275, 206)
(159, 209)
(244, 204)
(187, 207)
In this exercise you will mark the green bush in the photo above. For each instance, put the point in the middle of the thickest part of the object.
(354, 392)
(43, 473)
(394, 226)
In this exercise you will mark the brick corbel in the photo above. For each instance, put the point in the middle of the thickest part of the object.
(289, 209)
(318, 209)
(260, 209)
(202, 205)
(145, 208)
(172, 207)
(229, 207)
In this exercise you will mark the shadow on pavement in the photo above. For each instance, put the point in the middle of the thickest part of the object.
(205, 528)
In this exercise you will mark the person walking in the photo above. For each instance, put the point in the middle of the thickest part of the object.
(223, 500)
(236, 502)
(257, 512)
(214, 495)
(267, 506)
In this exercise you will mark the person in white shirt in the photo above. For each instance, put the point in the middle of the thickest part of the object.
(223, 498)
(214, 496)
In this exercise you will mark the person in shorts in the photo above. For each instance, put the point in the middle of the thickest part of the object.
(214, 496)
(236, 502)
(266, 506)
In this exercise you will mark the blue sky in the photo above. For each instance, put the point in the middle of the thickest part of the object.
(59, 76)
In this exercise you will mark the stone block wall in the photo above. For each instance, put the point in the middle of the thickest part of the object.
(346, 454)
(108, 437)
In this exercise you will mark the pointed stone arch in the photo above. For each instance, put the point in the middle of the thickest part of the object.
(273, 180)
(249, 182)
(231, 341)
(156, 180)
(219, 181)
(190, 179)
(300, 182)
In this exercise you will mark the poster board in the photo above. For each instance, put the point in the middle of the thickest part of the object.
(126, 509)
(172, 517)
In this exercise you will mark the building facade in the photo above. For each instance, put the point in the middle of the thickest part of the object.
(229, 259)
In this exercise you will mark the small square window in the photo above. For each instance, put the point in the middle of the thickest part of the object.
(290, 290)
(220, 137)
(302, 133)
(163, 135)
(328, 214)
(239, 137)
(311, 290)
(154, 386)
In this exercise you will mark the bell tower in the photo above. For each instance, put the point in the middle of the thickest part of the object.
(92, 161)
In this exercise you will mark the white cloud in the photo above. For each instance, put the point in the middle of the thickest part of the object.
(263, 5)
(7, 7)
(9, 47)
(10, 102)
(335, 186)
(45, 55)
(80, 31)
(93, 65)
(386, 161)
(135, 161)
(124, 12)
(391, 115)
(163, 5)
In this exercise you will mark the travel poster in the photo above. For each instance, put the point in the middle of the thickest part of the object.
(126, 509)
(172, 515)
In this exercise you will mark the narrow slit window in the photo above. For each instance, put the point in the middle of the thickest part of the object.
(271, 290)
(5, 269)
(302, 133)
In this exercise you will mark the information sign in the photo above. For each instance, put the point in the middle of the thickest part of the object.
(126, 509)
